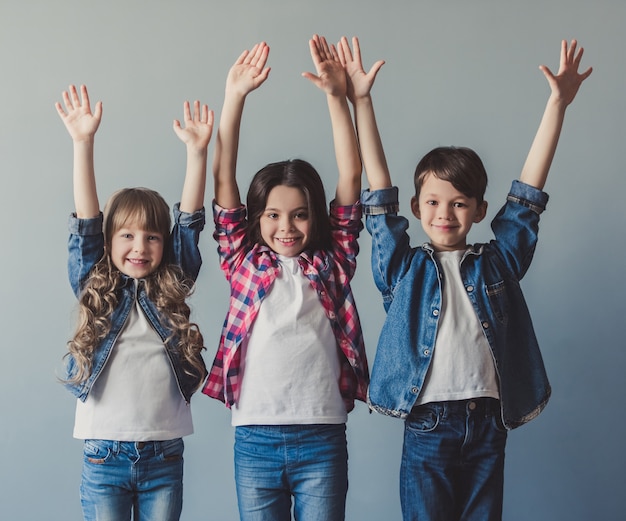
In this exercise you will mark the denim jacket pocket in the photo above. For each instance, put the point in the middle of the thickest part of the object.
(498, 300)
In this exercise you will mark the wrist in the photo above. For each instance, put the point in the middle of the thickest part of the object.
(197, 150)
(364, 100)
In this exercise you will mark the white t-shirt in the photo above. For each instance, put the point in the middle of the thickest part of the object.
(462, 366)
(290, 360)
(136, 396)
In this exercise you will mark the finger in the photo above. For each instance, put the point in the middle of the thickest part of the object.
(264, 54)
(563, 59)
(210, 117)
(242, 57)
(315, 80)
(67, 101)
(315, 52)
(204, 117)
(257, 54)
(586, 74)
(85, 97)
(196, 111)
(579, 56)
(186, 111)
(60, 110)
(374, 69)
(572, 50)
(263, 76)
(176, 126)
(345, 47)
(73, 95)
(98, 112)
(547, 73)
(333, 52)
(357, 50)
(341, 53)
(324, 48)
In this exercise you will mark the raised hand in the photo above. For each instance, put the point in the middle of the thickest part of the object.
(249, 71)
(77, 117)
(359, 82)
(198, 126)
(567, 81)
(331, 76)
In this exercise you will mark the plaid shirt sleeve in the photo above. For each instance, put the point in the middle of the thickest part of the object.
(250, 275)
(333, 288)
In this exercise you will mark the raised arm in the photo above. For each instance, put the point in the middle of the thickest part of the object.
(247, 74)
(331, 78)
(564, 87)
(196, 135)
(359, 87)
(82, 125)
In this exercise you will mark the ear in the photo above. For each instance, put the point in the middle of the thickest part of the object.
(415, 207)
(481, 211)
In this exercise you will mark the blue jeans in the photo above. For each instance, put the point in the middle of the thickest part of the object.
(275, 462)
(142, 478)
(453, 462)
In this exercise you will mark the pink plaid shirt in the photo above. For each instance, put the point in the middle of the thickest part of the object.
(251, 269)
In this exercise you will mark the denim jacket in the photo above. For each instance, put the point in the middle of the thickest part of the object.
(411, 283)
(86, 247)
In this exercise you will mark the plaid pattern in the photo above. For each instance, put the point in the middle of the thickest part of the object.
(251, 269)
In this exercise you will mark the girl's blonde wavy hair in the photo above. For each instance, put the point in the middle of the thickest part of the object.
(167, 287)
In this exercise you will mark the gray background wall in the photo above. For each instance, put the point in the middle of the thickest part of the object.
(458, 72)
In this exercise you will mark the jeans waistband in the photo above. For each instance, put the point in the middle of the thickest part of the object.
(469, 406)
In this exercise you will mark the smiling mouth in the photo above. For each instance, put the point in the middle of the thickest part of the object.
(289, 240)
(137, 261)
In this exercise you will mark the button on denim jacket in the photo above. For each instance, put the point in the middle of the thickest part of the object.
(411, 283)
(86, 247)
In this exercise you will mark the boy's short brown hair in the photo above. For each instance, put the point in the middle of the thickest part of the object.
(460, 166)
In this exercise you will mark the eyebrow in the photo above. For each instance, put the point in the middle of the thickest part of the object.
(299, 209)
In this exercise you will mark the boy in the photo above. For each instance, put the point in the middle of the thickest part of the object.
(457, 357)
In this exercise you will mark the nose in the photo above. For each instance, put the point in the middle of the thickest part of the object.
(139, 245)
(444, 212)
(286, 223)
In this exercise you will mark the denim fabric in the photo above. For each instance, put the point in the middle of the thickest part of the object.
(86, 247)
(453, 462)
(144, 479)
(411, 281)
(275, 462)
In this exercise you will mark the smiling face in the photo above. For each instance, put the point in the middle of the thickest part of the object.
(446, 214)
(136, 252)
(285, 222)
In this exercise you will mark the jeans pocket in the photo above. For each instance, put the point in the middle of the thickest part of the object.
(172, 450)
(242, 433)
(423, 418)
(97, 451)
(496, 421)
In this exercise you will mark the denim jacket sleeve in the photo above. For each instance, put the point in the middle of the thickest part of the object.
(184, 239)
(391, 251)
(516, 227)
(85, 248)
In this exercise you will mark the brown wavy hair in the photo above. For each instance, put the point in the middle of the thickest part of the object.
(167, 287)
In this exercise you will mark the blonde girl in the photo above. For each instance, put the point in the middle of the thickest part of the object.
(134, 360)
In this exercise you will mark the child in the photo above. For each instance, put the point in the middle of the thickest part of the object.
(291, 359)
(135, 360)
(457, 356)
